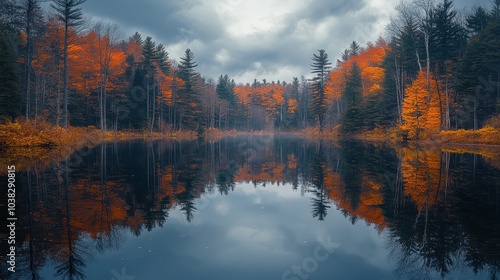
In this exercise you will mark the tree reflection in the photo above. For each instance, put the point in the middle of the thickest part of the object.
(73, 266)
(320, 201)
(440, 210)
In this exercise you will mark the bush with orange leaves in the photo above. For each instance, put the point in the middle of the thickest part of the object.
(25, 133)
(485, 135)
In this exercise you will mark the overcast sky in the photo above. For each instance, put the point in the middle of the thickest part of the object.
(259, 39)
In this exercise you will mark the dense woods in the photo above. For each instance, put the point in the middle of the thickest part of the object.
(437, 69)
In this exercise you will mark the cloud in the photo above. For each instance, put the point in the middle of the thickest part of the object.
(259, 39)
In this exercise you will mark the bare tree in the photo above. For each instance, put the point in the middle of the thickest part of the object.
(107, 35)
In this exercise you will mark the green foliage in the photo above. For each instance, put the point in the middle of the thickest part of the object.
(479, 74)
(320, 67)
(447, 36)
(352, 119)
(189, 96)
(68, 11)
(225, 89)
(478, 20)
(10, 97)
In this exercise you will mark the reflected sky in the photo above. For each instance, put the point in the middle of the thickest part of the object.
(252, 233)
(198, 210)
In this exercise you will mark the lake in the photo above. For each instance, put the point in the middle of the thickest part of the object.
(258, 207)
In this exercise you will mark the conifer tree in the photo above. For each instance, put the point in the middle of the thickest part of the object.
(9, 88)
(189, 97)
(352, 119)
(71, 15)
(320, 67)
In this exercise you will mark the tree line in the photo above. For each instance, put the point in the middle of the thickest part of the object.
(436, 70)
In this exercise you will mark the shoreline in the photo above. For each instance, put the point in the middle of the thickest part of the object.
(36, 145)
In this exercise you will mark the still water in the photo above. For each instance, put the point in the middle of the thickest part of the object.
(259, 208)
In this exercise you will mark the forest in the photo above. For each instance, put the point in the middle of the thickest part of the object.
(435, 70)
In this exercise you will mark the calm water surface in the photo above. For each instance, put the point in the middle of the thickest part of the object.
(259, 208)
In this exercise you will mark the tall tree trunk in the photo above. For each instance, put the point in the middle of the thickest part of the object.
(65, 78)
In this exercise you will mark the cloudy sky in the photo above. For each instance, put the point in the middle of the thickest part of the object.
(251, 39)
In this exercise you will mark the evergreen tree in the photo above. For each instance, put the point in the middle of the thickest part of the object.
(447, 36)
(354, 49)
(320, 67)
(189, 97)
(478, 20)
(478, 78)
(225, 91)
(320, 201)
(225, 88)
(352, 119)
(149, 66)
(71, 15)
(495, 11)
(9, 89)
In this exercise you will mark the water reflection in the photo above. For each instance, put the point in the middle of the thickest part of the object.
(439, 211)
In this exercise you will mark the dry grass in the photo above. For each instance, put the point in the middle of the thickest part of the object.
(25, 133)
(26, 145)
(314, 133)
(486, 135)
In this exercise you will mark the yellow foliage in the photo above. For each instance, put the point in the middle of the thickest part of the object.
(421, 176)
(421, 113)
(292, 106)
(485, 135)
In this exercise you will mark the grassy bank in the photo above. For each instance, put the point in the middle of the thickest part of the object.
(26, 145)
(41, 134)
(484, 136)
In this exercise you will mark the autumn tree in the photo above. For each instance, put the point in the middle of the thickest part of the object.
(320, 68)
(421, 117)
(109, 61)
(70, 14)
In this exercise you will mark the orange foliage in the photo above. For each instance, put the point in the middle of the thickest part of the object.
(421, 176)
(167, 86)
(485, 135)
(372, 73)
(271, 172)
(421, 113)
(371, 198)
(293, 106)
(95, 62)
(270, 96)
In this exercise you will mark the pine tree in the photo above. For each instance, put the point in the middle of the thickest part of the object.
(352, 119)
(354, 49)
(189, 97)
(478, 20)
(149, 68)
(9, 89)
(225, 91)
(71, 15)
(446, 36)
(479, 78)
(320, 67)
